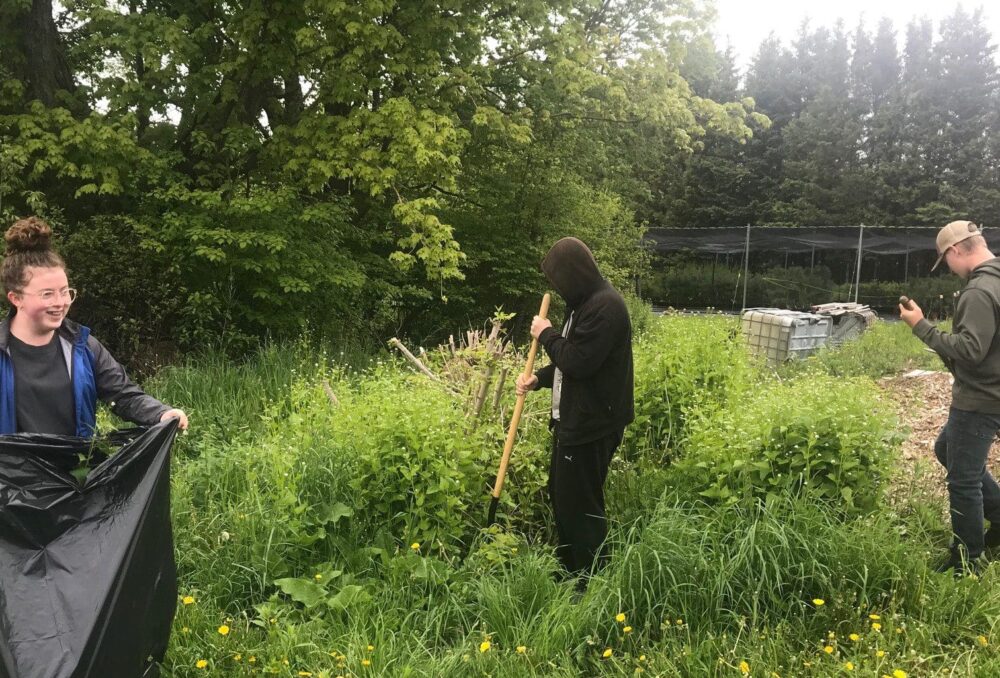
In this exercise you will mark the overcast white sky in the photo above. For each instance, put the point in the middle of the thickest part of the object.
(745, 24)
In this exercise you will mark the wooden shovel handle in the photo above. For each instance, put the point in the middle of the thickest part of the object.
(529, 368)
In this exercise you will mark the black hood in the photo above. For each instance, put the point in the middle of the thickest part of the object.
(571, 268)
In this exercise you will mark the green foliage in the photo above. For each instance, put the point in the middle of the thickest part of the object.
(936, 295)
(686, 284)
(286, 534)
(130, 302)
(640, 314)
(685, 367)
(819, 437)
(702, 285)
(372, 166)
(885, 349)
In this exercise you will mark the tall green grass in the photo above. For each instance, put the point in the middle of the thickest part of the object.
(885, 349)
(348, 538)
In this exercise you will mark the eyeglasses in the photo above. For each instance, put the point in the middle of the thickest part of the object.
(49, 296)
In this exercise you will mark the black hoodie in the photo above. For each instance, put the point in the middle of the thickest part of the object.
(596, 357)
(972, 349)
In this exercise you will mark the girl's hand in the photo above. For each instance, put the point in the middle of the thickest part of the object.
(176, 414)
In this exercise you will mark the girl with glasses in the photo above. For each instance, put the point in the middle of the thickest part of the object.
(52, 371)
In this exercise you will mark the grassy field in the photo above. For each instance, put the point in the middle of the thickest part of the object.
(343, 535)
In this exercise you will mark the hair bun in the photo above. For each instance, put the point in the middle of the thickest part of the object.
(28, 235)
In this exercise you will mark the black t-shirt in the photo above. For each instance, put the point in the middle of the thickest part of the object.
(43, 392)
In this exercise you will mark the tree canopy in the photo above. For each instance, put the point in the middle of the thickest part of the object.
(224, 171)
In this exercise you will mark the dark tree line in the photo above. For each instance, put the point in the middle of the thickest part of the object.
(883, 128)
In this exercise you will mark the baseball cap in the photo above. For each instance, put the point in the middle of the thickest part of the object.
(952, 234)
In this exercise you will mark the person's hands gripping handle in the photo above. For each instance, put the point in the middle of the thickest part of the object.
(526, 381)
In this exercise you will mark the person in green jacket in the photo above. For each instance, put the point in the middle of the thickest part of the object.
(972, 353)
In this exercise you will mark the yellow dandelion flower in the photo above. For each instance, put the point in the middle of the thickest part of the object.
(485, 646)
(317, 576)
(185, 629)
(252, 659)
(828, 649)
(849, 666)
(415, 546)
(642, 657)
(366, 662)
(521, 649)
(880, 654)
(607, 653)
(899, 673)
(188, 600)
(744, 668)
(620, 617)
(874, 617)
(627, 629)
(855, 637)
(818, 602)
(304, 674)
(201, 663)
(237, 657)
(982, 641)
(876, 626)
(223, 630)
(680, 621)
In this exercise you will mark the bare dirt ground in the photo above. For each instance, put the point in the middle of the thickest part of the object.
(921, 399)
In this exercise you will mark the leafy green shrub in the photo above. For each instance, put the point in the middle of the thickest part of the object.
(886, 348)
(131, 302)
(816, 436)
(683, 366)
(640, 313)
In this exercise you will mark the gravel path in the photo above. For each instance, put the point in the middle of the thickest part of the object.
(922, 399)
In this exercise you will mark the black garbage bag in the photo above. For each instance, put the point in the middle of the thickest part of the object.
(88, 586)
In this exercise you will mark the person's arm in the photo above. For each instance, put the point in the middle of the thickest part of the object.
(975, 326)
(594, 335)
(545, 376)
(124, 396)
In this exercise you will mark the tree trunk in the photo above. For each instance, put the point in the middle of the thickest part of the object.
(46, 69)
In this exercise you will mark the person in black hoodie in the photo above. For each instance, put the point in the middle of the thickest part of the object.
(972, 353)
(591, 380)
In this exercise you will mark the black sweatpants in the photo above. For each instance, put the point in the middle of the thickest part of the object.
(576, 490)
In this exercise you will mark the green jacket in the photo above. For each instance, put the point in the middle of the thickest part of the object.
(972, 350)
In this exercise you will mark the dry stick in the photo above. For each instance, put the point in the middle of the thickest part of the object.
(330, 394)
(498, 391)
(508, 445)
(481, 397)
(412, 358)
(490, 345)
(495, 332)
